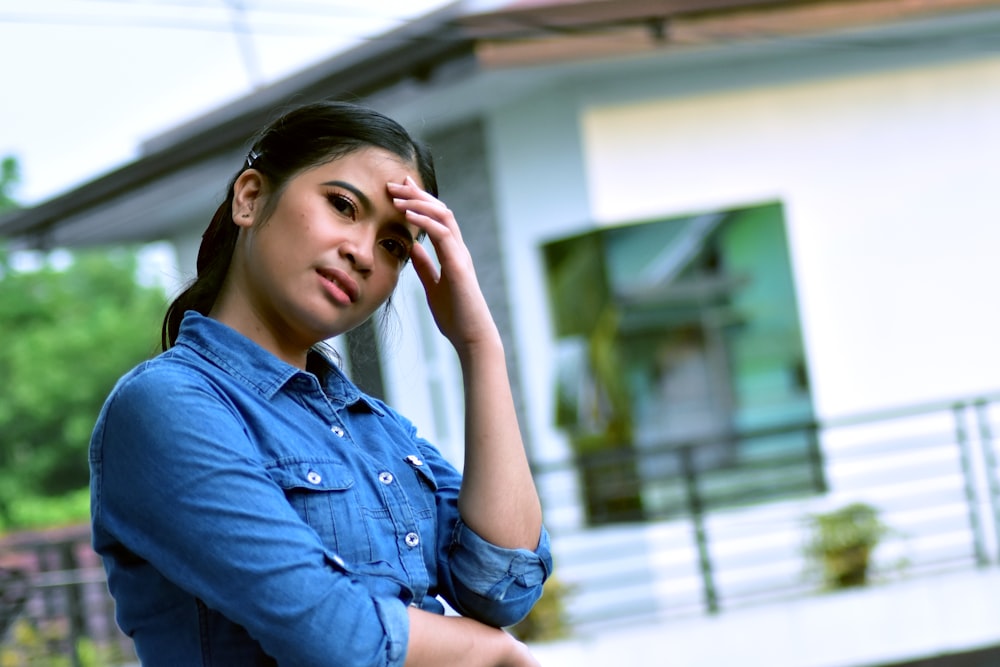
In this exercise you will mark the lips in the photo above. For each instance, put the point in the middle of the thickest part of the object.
(341, 281)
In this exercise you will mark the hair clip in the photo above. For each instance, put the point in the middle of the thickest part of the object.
(252, 157)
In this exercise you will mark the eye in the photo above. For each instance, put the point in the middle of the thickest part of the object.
(397, 248)
(343, 205)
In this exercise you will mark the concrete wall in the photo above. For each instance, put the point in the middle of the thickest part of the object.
(889, 185)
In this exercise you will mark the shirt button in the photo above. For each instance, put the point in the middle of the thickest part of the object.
(412, 540)
(413, 459)
(385, 477)
(337, 431)
(313, 477)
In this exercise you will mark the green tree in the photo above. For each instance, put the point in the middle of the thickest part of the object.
(68, 330)
(10, 176)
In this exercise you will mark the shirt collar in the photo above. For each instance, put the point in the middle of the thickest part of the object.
(249, 362)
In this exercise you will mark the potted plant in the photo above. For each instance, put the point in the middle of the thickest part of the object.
(841, 543)
(547, 620)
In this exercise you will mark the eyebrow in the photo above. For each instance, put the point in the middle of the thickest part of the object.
(397, 227)
(362, 197)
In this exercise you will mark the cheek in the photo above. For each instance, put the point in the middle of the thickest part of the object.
(390, 279)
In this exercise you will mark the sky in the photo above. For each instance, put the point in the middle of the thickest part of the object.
(85, 82)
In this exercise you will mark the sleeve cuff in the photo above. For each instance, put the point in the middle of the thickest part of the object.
(396, 622)
(490, 571)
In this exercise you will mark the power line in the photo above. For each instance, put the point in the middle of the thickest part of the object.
(221, 24)
(199, 15)
(272, 18)
(243, 39)
(320, 7)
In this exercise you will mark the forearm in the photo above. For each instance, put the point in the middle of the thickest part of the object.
(443, 641)
(498, 498)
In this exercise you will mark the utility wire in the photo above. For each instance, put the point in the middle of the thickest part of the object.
(320, 8)
(244, 39)
(197, 15)
(221, 24)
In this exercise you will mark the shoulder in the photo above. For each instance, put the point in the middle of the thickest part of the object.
(167, 407)
(168, 383)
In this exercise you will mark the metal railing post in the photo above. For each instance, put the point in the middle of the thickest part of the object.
(990, 462)
(817, 463)
(75, 609)
(700, 534)
(969, 482)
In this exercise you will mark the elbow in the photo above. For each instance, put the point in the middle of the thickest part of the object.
(504, 606)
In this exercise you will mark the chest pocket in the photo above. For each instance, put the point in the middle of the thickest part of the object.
(323, 495)
(399, 510)
(426, 487)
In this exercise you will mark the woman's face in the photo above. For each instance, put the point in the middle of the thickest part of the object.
(328, 256)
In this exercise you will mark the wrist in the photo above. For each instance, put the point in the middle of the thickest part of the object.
(485, 349)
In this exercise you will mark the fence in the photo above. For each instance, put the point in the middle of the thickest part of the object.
(723, 536)
(67, 611)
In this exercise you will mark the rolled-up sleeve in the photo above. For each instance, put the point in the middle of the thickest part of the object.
(396, 622)
(496, 585)
(489, 583)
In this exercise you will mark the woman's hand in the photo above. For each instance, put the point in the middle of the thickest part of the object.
(498, 500)
(520, 656)
(442, 641)
(453, 292)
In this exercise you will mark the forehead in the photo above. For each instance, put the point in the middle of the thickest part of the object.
(372, 164)
(367, 172)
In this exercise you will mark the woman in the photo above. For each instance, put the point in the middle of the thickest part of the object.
(252, 505)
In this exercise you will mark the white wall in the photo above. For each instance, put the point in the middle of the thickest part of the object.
(888, 179)
(890, 187)
(541, 194)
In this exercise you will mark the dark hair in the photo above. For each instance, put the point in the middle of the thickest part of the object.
(301, 139)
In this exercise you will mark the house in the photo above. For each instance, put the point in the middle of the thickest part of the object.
(743, 256)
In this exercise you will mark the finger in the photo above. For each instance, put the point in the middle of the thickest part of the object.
(413, 184)
(442, 235)
(409, 195)
(424, 265)
(434, 210)
(410, 190)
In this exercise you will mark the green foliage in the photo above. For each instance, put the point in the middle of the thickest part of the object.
(841, 543)
(547, 619)
(28, 512)
(10, 176)
(67, 333)
(31, 645)
(46, 645)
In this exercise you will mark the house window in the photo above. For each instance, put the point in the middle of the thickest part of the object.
(681, 363)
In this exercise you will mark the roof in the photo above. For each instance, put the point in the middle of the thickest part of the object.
(138, 202)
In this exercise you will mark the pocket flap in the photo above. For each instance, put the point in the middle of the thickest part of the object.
(423, 471)
(311, 475)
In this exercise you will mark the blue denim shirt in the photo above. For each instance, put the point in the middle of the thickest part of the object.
(250, 513)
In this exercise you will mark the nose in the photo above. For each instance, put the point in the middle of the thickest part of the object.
(358, 248)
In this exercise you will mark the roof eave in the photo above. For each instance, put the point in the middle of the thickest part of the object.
(412, 51)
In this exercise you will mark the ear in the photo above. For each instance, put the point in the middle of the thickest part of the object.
(247, 197)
